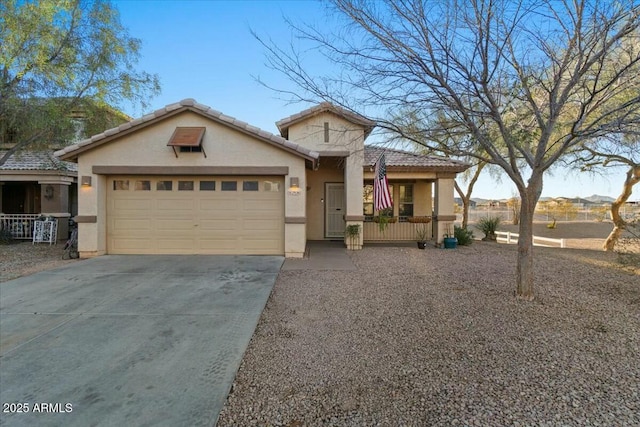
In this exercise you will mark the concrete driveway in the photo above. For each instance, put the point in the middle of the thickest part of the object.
(128, 340)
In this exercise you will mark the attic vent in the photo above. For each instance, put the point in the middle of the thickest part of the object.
(188, 139)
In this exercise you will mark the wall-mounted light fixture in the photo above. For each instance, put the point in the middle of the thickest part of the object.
(85, 181)
(294, 183)
(48, 192)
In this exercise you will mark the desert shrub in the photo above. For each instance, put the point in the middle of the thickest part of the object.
(464, 235)
(628, 247)
(600, 213)
(5, 237)
(488, 225)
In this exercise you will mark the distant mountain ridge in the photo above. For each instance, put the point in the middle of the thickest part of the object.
(600, 199)
(596, 199)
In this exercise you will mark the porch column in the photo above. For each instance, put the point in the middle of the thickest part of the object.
(444, 214)
(353, 182)
(54, 201)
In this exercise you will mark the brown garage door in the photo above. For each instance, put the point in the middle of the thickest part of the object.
(195, 215)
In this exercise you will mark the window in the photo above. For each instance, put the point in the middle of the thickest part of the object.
(143, 186)
(405, 207)
(229, 186)
(164, 185)
(367, 203)
(185, 185)
(207, 186)
(326, 131)
(250, 186)
(271, 186)
(367, 199)
(120, 184)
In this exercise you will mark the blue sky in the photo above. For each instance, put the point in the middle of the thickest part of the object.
(205, 50)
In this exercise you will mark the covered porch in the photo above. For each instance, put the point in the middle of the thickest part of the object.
(340, 194)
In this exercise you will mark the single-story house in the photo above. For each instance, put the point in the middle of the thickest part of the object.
(187, 179)
(35, 183)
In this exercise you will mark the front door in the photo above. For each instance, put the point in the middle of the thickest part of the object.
(334, 211)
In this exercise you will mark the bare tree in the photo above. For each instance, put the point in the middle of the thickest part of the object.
(605, 153)
(533, 73)
(465, 196)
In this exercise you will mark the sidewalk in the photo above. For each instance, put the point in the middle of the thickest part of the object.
(322, 255)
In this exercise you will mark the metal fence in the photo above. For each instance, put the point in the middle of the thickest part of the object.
(547, 215)
(19, 225)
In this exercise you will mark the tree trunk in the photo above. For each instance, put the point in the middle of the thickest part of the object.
(633, 177)
(524, 271)
(466, 198)
(465, 205)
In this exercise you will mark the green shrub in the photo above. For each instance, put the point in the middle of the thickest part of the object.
(5, 237)
(489, 225)
(464, 235)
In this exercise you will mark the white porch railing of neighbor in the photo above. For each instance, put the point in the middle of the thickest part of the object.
(19, 225)
(509, 237)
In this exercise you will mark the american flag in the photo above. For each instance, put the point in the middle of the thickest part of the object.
(381, 194)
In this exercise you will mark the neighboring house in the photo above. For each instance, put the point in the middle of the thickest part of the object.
(34, 183)
(187, 179)
(472, 203)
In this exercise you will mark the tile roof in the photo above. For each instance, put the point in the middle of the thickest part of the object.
(406, 159)
(37, 160)
(283, 125)
(71, 152)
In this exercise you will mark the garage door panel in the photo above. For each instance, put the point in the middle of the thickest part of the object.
(131, 225)
(174, 244)
(220, 204)
(264, 206)
(127, 245)
(223, 243)
(221, 227)
(175, 204)
(256, 225)
(127, 204)
(168, 224)
(196, 222)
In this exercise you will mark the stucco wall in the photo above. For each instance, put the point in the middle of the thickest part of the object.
(148, 147)
(343, 135)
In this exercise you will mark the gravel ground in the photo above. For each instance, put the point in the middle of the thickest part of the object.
(20, 259)
(436, 337)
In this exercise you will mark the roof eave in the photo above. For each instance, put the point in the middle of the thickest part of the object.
(150, 119)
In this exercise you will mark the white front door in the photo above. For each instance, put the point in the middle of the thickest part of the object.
(334, 210)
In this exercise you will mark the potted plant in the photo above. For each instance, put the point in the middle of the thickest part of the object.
(384, 220)
(421, 235)
(353, 236)
(488, 225)
(450, 240)
(419, 219)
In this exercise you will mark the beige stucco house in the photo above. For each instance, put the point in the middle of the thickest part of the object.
(187, 179)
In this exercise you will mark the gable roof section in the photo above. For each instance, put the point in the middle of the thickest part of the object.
(36, 161)
(284, 124)
(398, 160)
(71, 152)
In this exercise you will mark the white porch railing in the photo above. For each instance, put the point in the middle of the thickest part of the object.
(509, 237)
(19, 225)
(393, 231)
